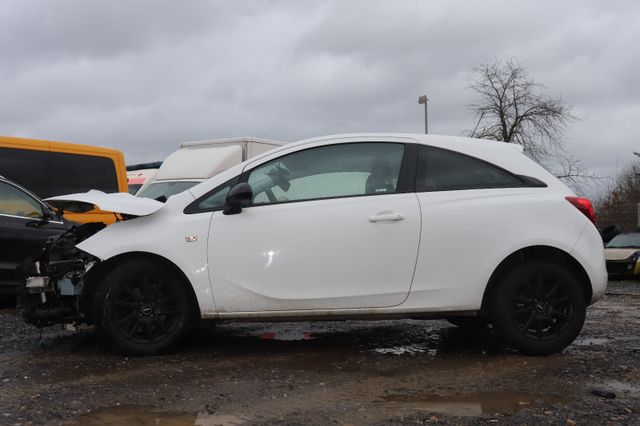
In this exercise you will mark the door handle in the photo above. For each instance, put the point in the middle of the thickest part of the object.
(386, 217)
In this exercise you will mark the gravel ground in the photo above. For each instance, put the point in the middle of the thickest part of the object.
(353, 372)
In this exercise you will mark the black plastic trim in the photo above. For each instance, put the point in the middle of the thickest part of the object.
(193, 208)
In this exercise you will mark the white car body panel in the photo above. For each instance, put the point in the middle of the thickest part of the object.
(117, 202)
(491, 224)
(464, 237)
(588, 251)
(315, 254)
(169, 241)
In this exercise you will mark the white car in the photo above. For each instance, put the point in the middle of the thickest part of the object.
(367, 226)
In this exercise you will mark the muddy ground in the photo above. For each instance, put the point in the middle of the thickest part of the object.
(383, 372)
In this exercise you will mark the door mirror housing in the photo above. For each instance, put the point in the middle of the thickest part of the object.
(48, 214)
(240, 196)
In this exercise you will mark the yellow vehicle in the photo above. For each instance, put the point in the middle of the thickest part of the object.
(50, 168)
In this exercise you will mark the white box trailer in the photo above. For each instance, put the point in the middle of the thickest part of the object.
(197, 161)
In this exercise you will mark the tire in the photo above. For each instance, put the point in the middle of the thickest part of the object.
(143, 307)
(538, 308)
(469, 323)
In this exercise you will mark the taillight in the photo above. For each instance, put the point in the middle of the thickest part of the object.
(585, 206)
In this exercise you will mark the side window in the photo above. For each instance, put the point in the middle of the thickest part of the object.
(72, 173)
(16, 203)
(28, 168)
(55, 173)
(214, 200)
(330, 171)
(444, 170)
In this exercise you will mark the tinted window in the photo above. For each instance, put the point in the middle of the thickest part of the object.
(71, 173)
(134, 187)
(54, 173)
(28, 168)
(330, 171)
(443, 170)
(16, 203)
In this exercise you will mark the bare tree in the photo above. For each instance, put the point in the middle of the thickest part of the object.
(618, 204)
(511, 108)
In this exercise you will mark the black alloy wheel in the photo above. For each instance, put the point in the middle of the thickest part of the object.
(542, 307)
(538, 308)
(143, 307)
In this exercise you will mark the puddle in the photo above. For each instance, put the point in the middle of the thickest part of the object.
(148, 416)
(590, 341)
(287, 336)
(405, 350)
(469, 405)
(621, 387)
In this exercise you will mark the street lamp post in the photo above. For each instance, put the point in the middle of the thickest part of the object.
(423, 100)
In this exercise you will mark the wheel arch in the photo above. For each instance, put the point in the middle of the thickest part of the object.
(539, 252)
(92, 278)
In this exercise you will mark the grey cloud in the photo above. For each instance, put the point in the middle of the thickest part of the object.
(143, 76)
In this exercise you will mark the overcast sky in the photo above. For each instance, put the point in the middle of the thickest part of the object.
(143, 76)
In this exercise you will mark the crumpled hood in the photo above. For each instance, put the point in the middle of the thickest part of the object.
(118, 202)
(619, 253)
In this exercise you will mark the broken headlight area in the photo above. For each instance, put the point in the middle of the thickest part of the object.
(54, 280)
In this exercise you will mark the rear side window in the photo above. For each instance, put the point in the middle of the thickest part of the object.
(54, 173)
(444, 170)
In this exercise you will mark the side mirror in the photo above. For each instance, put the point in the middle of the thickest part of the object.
(239, 196)
(47, 214)
(50, 214)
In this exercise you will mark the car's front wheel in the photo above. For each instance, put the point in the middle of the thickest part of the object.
(538, 308)
(143, 307)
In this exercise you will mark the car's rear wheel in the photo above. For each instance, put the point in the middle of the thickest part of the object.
(143, 307)
(538, 308)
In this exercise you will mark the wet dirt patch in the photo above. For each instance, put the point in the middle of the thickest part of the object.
(468, 405)
(268, 374)
(149, 416)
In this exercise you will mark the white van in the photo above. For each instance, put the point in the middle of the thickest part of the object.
(198, 161)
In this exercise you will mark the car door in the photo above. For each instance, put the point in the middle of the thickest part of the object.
(330, 227)
(23, 231)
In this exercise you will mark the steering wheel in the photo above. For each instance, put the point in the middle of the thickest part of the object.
(271, 196)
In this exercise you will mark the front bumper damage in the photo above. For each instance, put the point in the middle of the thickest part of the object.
(53, 289)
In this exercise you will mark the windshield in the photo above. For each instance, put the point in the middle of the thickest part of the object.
(624, 241)
(166, 189)
(133, 188)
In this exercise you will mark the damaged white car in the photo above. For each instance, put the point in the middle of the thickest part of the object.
(353, 226)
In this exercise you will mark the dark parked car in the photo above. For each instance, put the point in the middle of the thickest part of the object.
(25, 224)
